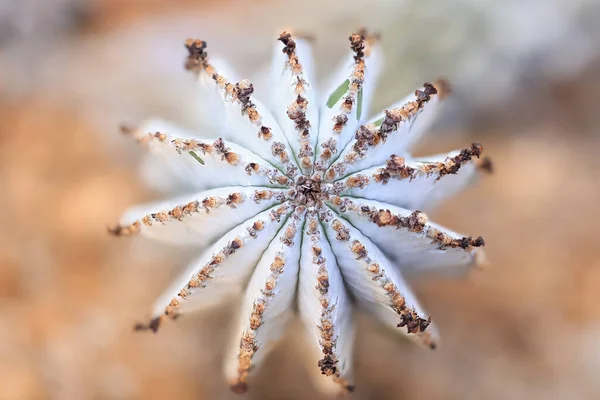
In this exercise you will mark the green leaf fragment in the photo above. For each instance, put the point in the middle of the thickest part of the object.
(193, 154)
(359, 104)
(338, 93)
(379, 121)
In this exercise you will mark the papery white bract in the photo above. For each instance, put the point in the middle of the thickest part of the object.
(304, 207)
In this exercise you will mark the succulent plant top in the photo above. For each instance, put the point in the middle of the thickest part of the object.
(305, 206)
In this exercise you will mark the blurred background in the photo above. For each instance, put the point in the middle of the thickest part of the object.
(526, 79)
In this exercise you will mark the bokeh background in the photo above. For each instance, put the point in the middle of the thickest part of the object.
(526, 81)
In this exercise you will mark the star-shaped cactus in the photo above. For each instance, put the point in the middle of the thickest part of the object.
(305, 206)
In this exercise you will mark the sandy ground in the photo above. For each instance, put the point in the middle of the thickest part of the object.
(526, 328)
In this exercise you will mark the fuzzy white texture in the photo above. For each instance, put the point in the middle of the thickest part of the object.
(303, 203)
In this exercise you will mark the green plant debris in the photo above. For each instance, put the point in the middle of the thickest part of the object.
(338, 93)
(197, 157)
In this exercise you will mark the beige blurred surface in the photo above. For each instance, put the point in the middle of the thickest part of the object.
(527, 328)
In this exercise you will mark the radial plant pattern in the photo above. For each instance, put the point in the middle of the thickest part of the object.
(304, 207)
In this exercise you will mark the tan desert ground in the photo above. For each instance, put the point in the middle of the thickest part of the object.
(527, 327)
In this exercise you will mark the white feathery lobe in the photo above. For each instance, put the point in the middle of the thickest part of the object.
(293, 98)
(325, 306)
(346, 105)
(304, 207)
(267, 303)
(210, 164)
(244, 118)
(373, 280)
(396, 128)
(199, 218)
(224, 267)
(413, 184)
(414, 244)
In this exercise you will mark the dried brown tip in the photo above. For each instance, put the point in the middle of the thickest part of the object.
(153, 325)
(197, 59)
(413, 322)
(423, 96)
(466, 242)
(457, 161)
(357, 44)
(289, 46)
(445, 241)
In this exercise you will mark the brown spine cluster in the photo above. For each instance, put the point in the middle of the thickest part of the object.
(278, 150)
(328, 363)
(409, 318)
(297, 110)
(357, 181)
(248, 343)
(342, 233)
(452, 165)
(357, 44)
(357, 77)
(185, 145)
(415, 222)
(280, 211)
(395, 168)
(260, 195)
(329, 360)
(197, 59)
(225, 152)
(340, 121)
(243, 91)
(445, 241)
(329, 147)
(177, 213)
(220, 148)
(289, 48)
(297, 113)
(368, 136)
